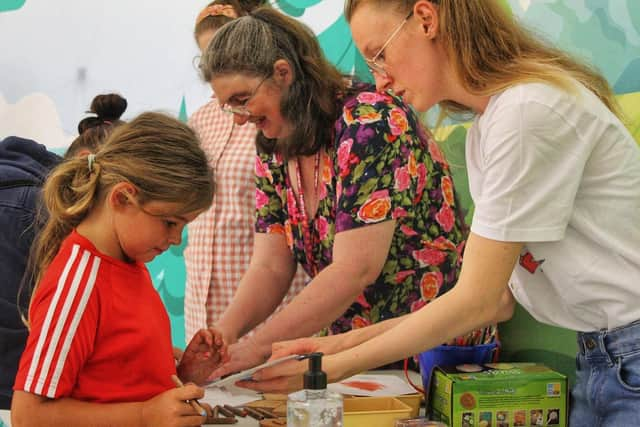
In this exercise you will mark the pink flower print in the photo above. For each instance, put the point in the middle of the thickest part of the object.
(327, 169)
(371, 98)
(376, 208)
(262, 170)
(343, 154)
(347, 115)
(417, 305)
(408, 231)
(436, 154)
(359, 322)
(339, 190)
(363, 301)
(322, 226)
(460, 250)
(398, 121)
(422, 179)
(445, 218)
(403, 180)
(401, 275)
(440, 243)
(261, 199)
(428, 256)
(430, 285)
(293, 206)
(399, 213)
(412, 165)
(288, 234)
(367, 117)
(276, 229)
(322, 191)
(447, 190)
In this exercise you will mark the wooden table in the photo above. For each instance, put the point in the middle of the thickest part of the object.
(5, 416)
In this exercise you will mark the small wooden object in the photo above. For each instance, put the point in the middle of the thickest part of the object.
(253, 413)
(273, 422)
(236, 411)
(267, 413)
(224, 411)
(227, 420)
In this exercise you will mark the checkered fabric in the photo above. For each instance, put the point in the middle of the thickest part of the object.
(220, 240)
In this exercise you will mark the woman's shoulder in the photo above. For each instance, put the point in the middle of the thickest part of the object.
(545, 94)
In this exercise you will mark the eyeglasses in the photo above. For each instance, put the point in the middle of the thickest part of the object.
(242, 107)
(375, 64)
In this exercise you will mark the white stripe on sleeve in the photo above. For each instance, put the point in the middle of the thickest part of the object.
(73, 327)
(61, 320)
(47, 321)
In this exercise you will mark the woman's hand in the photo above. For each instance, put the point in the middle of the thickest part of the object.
(242, 355)
(205, 352)
(171, 408)
(287, 376)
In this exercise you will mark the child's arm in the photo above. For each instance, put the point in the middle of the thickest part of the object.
(169, 408)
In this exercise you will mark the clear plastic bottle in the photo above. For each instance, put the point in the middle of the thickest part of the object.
(314, 406)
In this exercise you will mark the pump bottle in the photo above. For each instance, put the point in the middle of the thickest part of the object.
(314, 406)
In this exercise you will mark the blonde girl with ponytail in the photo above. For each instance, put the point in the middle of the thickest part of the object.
(99, 351)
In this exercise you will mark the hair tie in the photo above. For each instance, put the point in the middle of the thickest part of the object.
(217, 10)
(90, 159)
(107, 122)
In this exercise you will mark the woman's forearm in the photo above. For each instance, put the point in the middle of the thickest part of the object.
(358, 336)
(258, 295)
(476, 301)
(413, 334)
(324, 299)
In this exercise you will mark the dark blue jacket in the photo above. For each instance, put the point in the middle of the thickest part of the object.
(24, 165)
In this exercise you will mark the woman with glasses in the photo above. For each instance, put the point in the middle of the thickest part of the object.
(555, 179)
(220, 241)
(349, 186)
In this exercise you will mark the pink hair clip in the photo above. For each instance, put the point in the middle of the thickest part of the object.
(217, 10)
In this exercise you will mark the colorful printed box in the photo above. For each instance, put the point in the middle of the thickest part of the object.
(499, 395)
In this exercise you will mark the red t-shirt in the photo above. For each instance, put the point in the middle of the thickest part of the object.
(99, 331)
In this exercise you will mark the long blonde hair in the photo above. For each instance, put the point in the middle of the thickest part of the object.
(157, 154)
(490, 51)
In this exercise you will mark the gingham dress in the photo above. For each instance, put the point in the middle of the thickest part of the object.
(220, 240)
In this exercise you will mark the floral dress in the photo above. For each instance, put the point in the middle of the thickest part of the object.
(381, 166)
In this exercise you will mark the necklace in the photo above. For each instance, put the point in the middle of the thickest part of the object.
(308, 238)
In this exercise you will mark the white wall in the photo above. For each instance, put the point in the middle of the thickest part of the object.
(71, 50)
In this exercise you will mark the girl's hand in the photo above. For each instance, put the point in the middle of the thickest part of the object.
(170, 409)
(205, 352)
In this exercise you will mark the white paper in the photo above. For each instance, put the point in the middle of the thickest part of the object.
(233, 396)
(246, 374)
(372, 385)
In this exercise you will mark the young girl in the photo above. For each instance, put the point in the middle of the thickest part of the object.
(99, 350)
(555, 179)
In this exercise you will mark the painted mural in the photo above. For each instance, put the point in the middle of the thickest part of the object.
(58, 55)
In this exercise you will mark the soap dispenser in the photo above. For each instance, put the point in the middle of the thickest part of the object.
(314, 406)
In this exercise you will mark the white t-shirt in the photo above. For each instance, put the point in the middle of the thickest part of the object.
(559, 172)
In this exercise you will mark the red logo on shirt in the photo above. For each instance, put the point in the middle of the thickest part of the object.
(529, 263)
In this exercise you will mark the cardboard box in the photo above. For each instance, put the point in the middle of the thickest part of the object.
(499, 395)
(374, 411)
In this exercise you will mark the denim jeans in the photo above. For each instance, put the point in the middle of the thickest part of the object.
(607, 389)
